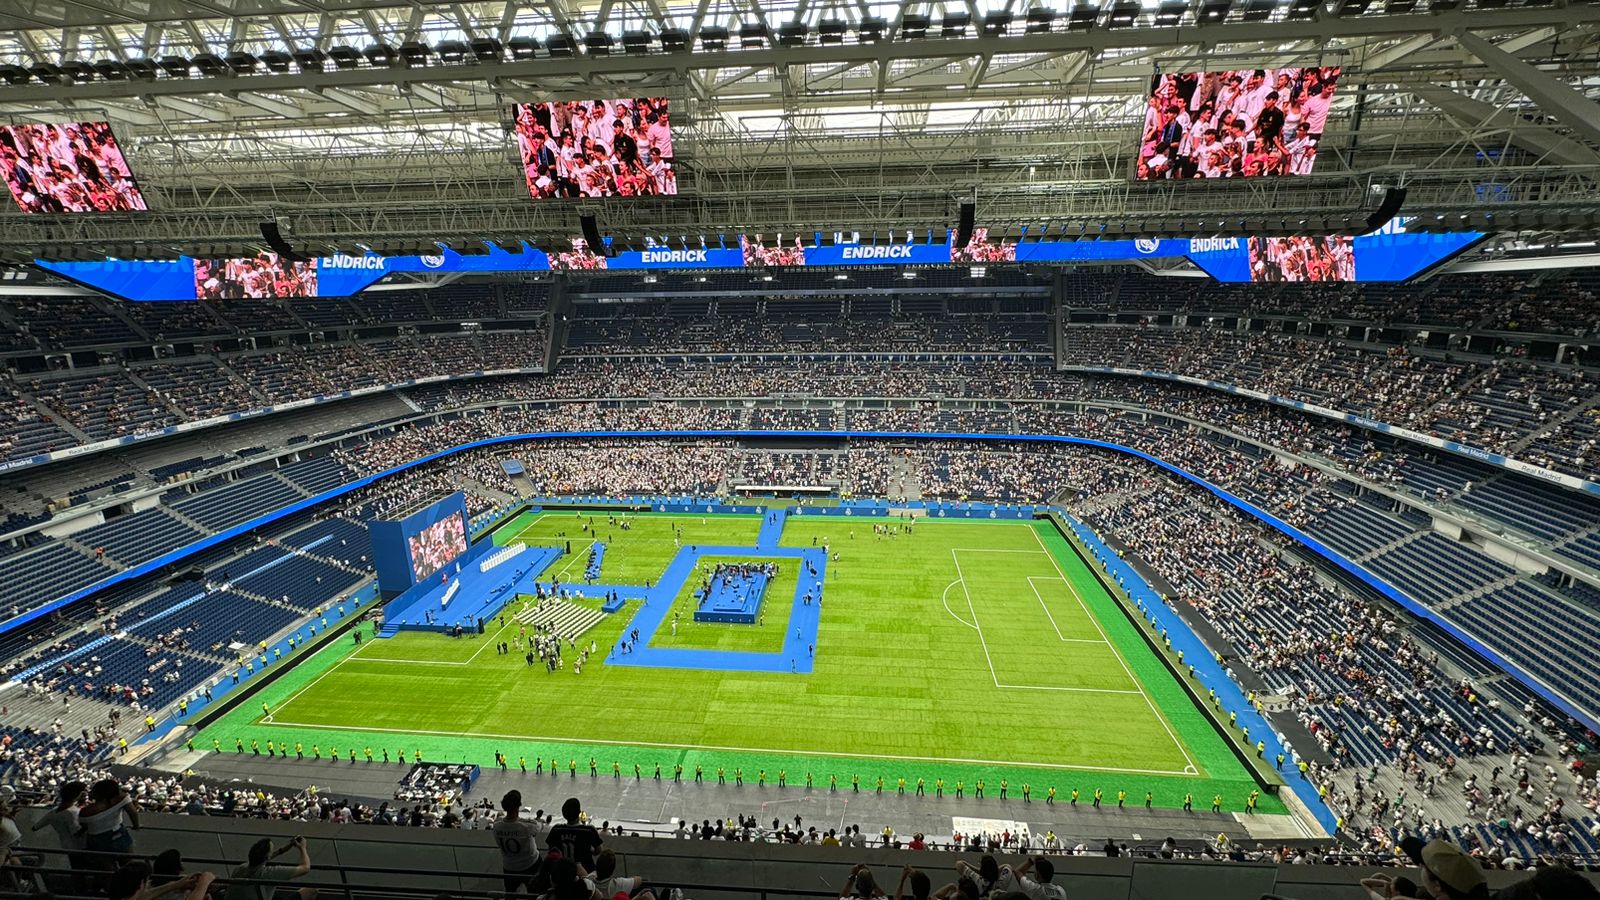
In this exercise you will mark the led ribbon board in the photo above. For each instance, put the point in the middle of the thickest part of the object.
(1391, 254)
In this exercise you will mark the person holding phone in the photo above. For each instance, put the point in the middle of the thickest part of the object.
(258, 876)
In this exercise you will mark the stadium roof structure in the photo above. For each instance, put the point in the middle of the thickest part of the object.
(383, 122)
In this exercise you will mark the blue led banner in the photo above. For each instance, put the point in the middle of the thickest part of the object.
(1391, 254)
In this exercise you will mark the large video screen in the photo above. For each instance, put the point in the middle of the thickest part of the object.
(579, 259)
(434, 547)
(1326, 258)
(982, 250)
(597, 148)
(758, 255)
(71, 167)
(265, 275)
(1240, 124)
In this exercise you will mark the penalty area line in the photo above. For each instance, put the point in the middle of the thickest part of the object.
(726, 749)
(1051, 616)
(1154, 710)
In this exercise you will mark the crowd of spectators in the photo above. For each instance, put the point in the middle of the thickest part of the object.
(88, 810)
(1361, 685)
(1496, 405)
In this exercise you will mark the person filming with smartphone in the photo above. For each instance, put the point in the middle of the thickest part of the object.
(258, 878)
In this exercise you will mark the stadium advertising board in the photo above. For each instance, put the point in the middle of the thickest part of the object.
(67, 167)
(1239, 124)
(576, 149)
(1391, 254)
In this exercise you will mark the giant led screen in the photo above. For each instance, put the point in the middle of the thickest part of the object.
(67, 167)
(435, 546)
(265, 275)
(574, 149)
(1245, 123)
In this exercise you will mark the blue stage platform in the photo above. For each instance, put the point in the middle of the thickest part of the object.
(734, 599)
(799, 642)
(479, 597)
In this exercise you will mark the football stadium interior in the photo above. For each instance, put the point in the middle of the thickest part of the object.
(669, 450)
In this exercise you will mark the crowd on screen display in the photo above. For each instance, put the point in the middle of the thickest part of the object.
(597, 148)
(435, 546)
(579, 258)
(1327, 258)
(981, 250)
(73, 167)
(266, 275)
(758, 254)
(1235, 124)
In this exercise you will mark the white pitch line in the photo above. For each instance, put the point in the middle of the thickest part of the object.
(1118, 653)
(970, 608)
(1030, 687)
(1043, 606)
(945, 599)
(403, 662)
(290, 699)
(1069, 690)
(569, 739)
(1051, 617)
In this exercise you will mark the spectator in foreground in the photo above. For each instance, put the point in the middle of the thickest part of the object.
(570, 881)
(63, 818)
(1016, 879)
(132, 882)
(610, 884)
(518, 842)
(102, 818)
(10, 837)
(1552, 883)
(1449, 874)
(264, 876)
(573, 839)
(921, 886)
(983, 877)
(860, 885)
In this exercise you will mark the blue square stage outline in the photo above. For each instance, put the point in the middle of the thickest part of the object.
(652, 613)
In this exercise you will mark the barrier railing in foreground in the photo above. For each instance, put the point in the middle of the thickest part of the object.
(348, 883)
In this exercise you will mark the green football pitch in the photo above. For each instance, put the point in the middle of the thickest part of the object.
(959, 651)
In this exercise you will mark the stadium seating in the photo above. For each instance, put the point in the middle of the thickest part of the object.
(200, 387)
(239, 502)
(301, 580)
(44, 574)
(218, 620)
(140, 536)
(316, 475)
(71, 322)
(1434, 568)
(1547, 636)
(103, 405)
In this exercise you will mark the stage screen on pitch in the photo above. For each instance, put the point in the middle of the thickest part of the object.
(265, 275)
(434, 547)
(571, 149)
(1236, 124)
(69, 167)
